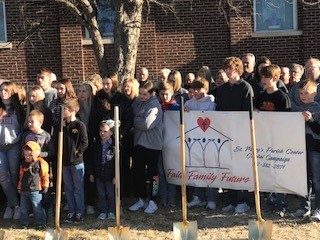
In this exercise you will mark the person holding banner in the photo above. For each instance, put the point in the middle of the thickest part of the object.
(274, 99)
(201, 101)
(148, 143)
(234, 95)
(310, 110)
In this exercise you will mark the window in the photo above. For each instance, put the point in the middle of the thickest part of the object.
(275, 15)
(106, 17)
(3, 28)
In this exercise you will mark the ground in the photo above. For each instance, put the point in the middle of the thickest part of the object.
(211, 225)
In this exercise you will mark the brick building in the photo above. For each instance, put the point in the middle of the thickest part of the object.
(200, 36)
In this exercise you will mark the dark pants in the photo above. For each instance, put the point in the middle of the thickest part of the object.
(145, 171)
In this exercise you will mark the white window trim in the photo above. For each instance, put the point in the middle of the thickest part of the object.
(105, 41)
(272, 33)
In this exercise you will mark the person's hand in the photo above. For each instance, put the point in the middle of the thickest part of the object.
(91, 178)
(186, 109)
(44, 190)
(307, 115)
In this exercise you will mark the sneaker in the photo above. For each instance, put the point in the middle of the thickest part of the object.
(69, 218)
(152, 207)
(302, 213)
(137, 205)
(41, 227)
(211, 205)
(241, 208)
(90, 210)
(8, 213)
(16, 213)
(196, 202)
(102, 216)
(24, 226)
(79, 218)
(228, 208)
(315, 215)
(282, 212)
(111, 216)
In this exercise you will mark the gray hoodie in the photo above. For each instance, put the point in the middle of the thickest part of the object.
(148, 123)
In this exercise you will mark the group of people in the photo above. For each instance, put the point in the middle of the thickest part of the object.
(29, 129)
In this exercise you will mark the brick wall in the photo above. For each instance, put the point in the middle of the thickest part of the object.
(200, 36)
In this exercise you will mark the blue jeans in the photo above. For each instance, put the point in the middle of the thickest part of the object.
(106, 198)
(167, 191)
(73, 182)
(313, 177)
(33, 199)
(9, 170)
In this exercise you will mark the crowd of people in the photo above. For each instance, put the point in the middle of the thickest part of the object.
(30, 123)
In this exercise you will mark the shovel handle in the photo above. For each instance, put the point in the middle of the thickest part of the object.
(59, 171)
(254, 162)
(117, 165)
(183, 163)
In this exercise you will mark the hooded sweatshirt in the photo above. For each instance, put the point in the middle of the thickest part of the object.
(148, 123)
(203, 104)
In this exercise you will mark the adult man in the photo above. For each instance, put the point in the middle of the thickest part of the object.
(311, 72)
(144, 74)
(44, 81)
(249, 61)
(285, 75)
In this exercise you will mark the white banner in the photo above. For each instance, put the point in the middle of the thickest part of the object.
(218, 150)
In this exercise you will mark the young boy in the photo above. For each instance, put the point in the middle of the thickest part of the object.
(44, 81)
(234, 95)
(33, 180)
(102, 170)
(273, 99)
(75, 142)
(201, 101)
(310, 109)
(167, 191)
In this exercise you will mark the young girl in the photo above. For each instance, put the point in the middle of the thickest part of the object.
(11, 122)
(148, 145)
(175, 79)
(35, 100)
(101, 170)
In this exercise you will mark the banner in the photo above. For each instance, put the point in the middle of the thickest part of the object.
(218, 150)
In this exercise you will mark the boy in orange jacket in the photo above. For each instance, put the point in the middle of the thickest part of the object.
(33, 181)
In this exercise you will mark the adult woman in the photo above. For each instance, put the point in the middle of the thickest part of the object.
(11, 123)
(35, 100)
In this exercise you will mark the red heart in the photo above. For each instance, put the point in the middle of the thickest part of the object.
(203, 123)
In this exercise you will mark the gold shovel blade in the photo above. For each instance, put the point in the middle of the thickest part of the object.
(260, 230)
(119, 233)
(185, 230)
(2, 234)
(54, 234)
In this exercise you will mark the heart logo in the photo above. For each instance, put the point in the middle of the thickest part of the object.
(203, 123)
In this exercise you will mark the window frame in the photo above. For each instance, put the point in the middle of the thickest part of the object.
(291, 31)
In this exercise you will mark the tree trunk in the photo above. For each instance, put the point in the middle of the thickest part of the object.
(127, 33)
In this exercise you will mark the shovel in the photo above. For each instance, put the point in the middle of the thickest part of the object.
(58, 233)
(2, 234)
(184, 230)
(118, 232)
(260, 229)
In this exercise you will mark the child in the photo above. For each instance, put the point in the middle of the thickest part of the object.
(102, 170)
(33, 180)
(234, 95)
(201, 101)
(274, 99)
(167, 191)
(75, 142)
(310, 109)
(148, 145)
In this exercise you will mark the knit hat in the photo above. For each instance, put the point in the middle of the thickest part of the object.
(110, 123)
(34, 146)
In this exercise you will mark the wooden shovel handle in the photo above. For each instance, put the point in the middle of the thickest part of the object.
(117, 165)
(183, 163)
(254, 162)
